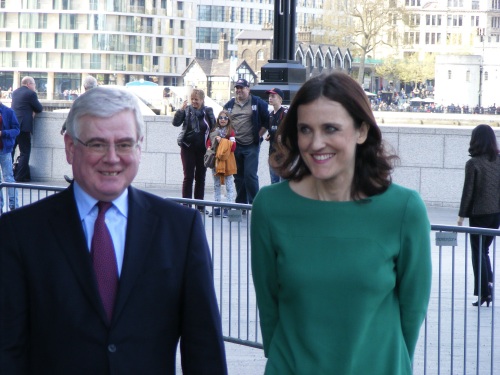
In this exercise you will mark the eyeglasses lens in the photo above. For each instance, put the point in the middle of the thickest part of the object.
(223, 118)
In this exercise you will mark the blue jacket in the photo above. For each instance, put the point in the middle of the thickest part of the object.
(260, 115)
(10, 129)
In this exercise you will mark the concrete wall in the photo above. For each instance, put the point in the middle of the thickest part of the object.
(432, 159)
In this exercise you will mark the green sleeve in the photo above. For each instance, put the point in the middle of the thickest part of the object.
(264, 263)
(414, 271)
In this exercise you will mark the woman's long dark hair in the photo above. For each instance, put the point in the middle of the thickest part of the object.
(483, 142)
(373, 166)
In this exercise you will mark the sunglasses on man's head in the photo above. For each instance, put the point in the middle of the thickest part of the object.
(223, 118)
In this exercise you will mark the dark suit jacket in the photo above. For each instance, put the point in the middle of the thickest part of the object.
(51, 318)
(24, 103)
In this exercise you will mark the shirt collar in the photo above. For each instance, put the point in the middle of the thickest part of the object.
(85, 203)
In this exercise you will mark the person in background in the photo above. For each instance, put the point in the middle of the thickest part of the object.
(9, 130)
(223, 134)
(481, 204)
(275, 116)
(110, 279)
(250, 119)
(88, 83)
(196, 120)
(25, 104)
(338, 290)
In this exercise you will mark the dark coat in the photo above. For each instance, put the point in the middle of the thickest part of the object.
(187, 118)
(51, 318)
(481, 191)
(24, 103)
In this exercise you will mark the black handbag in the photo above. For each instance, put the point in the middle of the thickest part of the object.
(191, 129)
(209, 158)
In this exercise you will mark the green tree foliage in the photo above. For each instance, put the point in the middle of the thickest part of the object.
(410, 69)
(358, 24)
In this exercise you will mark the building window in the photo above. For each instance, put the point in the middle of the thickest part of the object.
(67, 21)
(27, 40)
(67, 85)
(467, 76)
(61, 4)
(260, 55)
(71, 60)
(455, 20)
(449, 74)
(433, 20)
(95, 61)
(432, 38)
(65, 41)
(485, 76)
(38, 40)
(42, 21)
(411, 38)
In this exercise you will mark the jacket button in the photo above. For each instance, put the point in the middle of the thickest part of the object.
(111, 348)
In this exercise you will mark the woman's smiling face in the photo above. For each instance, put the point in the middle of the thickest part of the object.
(327, 140)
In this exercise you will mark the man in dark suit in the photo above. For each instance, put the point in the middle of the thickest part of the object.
(25, 104)
(60, 313)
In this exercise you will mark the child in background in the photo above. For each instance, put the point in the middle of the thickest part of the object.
(225, 163)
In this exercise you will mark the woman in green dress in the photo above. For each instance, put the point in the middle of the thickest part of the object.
(340, 254)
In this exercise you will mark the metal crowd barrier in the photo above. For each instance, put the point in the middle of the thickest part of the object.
(456, 338)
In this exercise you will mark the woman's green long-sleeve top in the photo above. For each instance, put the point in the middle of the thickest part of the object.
(342, 287)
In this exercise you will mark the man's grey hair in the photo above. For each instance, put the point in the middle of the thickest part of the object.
(89, 83)
(26, 80)
(103, 102)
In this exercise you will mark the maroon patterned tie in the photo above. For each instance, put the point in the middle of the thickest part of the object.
(104, 260)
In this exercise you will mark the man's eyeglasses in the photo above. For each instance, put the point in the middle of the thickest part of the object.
(102, 148)
(223, 118)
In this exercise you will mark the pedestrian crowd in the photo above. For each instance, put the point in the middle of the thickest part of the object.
(235, 135)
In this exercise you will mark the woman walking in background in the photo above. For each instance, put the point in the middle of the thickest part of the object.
(196, 121)
(481, 204)
(225, 163)
(340, 255)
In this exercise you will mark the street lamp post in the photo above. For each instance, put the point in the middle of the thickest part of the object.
(282, 71)
(481, 33)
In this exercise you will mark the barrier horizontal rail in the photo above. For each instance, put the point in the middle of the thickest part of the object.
(456, 338)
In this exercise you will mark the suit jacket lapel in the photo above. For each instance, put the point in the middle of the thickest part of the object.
(68, 232)
(141, 224)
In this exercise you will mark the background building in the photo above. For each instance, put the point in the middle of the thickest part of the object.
(216, 17)
(60, 41)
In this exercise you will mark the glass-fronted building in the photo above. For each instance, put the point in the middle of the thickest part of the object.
(59, 42)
